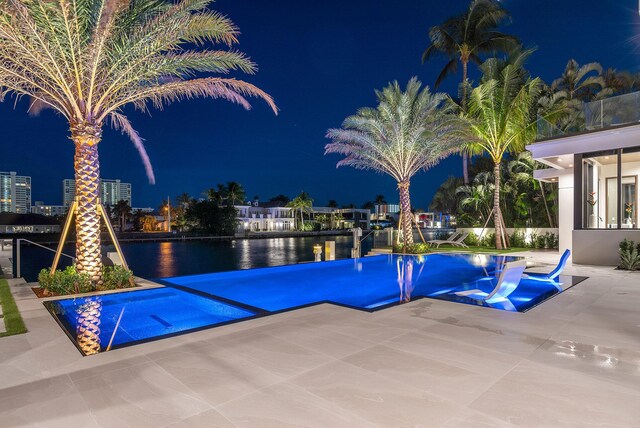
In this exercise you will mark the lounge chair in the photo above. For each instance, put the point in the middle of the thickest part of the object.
(458, 241)
(551, 276)
(507, 282)
(451, 237)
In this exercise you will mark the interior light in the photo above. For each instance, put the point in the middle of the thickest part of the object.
(559, 159)
(570, 165)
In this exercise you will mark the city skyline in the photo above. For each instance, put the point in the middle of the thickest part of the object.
(197, 144)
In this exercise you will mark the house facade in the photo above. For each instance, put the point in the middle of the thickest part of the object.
(596, 166)
(264, 219)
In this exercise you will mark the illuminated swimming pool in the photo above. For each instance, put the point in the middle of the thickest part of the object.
(188, 303)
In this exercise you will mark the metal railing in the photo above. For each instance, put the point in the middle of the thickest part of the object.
(17, 254)
(601, 114)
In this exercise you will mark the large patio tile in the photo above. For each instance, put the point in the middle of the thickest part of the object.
(216, 377)
(51, 402)
(286, 405)
(280, 357)
(139, 396)
(208, 418)
(320, 340)
(372, 330)
(378, 399)
(465, 356)
(487, 335)
(536, 395)
(468, 418)
(436, 377)
(614, 364)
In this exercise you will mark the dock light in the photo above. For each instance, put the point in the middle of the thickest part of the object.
(317, 251)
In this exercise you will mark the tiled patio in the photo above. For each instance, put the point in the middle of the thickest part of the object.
(572, 362)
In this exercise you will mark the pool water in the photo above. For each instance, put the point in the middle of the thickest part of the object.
(109, 321)
(370, 284)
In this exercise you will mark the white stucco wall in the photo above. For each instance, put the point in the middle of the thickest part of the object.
(565, 211)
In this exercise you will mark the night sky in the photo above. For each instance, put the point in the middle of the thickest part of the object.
(320, 60)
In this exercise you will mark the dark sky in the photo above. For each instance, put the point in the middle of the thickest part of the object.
(321, 60)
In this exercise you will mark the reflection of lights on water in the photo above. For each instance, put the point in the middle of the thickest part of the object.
(480, 260)
(167, 260)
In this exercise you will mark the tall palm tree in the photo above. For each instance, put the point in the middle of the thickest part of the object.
(409, 131)
(521, 169)
(184, 200)
(380, 200)
(303, 204)
(580, 82)
(464, 38)
(122, 210)
(88, 59)
(500, 116)
(234, 193)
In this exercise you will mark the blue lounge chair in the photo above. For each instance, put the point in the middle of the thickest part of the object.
(507, 282)
(551, 276)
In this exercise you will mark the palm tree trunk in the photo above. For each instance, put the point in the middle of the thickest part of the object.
(87, 173)
(546, 207)
(405, 213)
(88, 330)
(463, 103)
(497, 217)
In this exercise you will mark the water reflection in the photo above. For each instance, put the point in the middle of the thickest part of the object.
(166, 259)
(88, 325)
(405, 268)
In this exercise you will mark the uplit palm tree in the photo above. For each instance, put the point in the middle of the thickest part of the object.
(464, 38)
(302, 204)
(409, 131)
(88, 59)
(500, 116)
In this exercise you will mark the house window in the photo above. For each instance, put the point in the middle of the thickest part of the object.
(610, 189)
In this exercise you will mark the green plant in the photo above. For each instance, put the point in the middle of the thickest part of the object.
(626, 246)
(517, 239)
(116, 277)
(68, 281)
(539, 241)
(472, 240)
(630, 259)
(415, 248)
(488, 240)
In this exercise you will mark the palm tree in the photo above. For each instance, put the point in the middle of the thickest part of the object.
(465, 38)
(149, 223)
(122, 210)
(521, 169)
(380, 200)
(409, 131)
(87, 60)
(234, 193)
(500, 116)
(445, 200)
(184, 200)
(477, 196)
(578, 82)
(303, 204)
(332, 203)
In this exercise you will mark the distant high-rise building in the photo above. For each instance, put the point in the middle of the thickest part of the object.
(49, 210)
(111, 191)
(15, 193)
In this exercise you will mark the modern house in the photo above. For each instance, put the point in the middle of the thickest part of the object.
(12, 223)
(264, 219)
(596, 164)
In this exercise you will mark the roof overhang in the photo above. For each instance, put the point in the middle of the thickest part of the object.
(606, 139)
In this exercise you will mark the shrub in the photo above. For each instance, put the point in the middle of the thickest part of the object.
(551, 240)
(488, 240)
(472, 240)
(68, 281)
(417, 248)
(115, 277)
(630, 260)
(517, 239)
(629, 255)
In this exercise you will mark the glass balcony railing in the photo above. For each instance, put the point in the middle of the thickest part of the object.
(601, 114)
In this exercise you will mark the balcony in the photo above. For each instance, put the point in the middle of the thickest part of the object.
(622, 110)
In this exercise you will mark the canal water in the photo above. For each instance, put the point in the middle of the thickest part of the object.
(176, 258)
